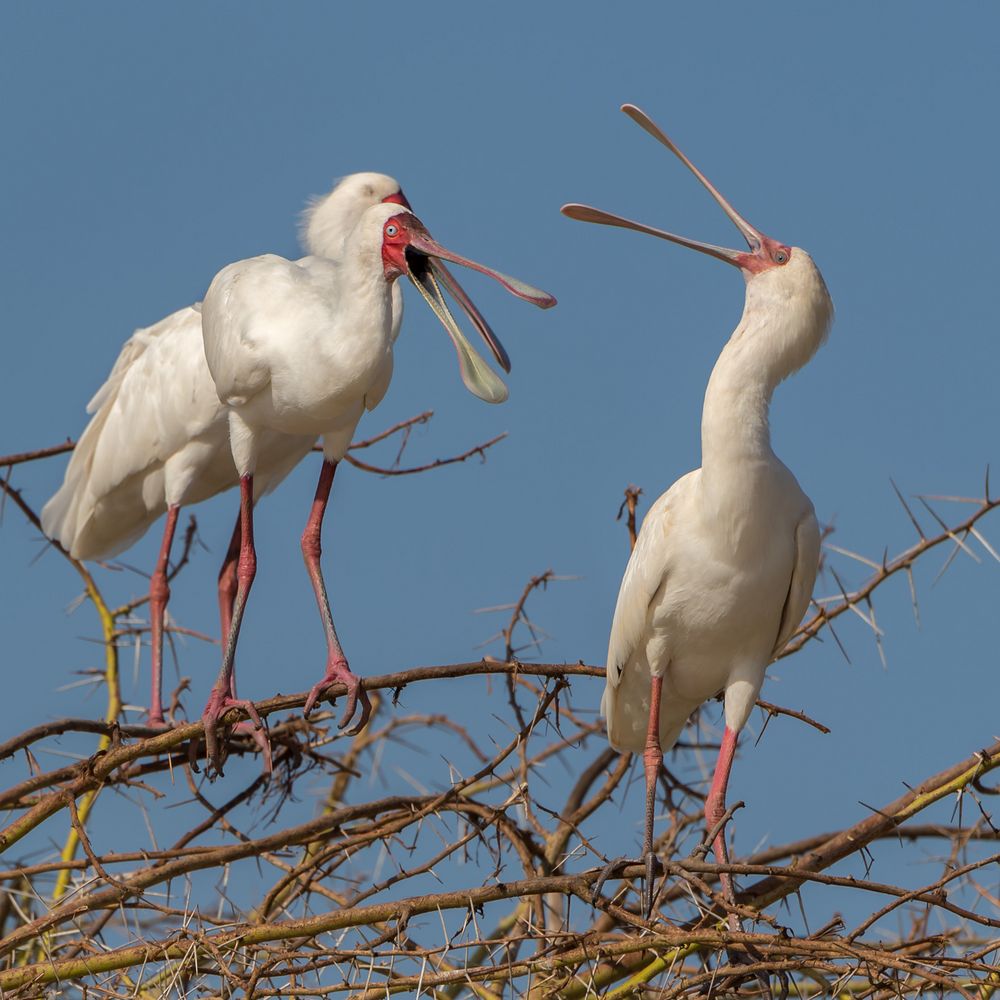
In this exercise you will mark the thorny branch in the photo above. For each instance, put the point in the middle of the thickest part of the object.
(404, 428)
(469, 872)
(630, 504)
(958, 534)
(568, 950)
(479, 449)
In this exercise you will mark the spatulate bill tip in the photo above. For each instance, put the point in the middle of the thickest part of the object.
(587, 213)
(497, 398)
(574, 210)
(536, 296)
(637, 114)
(490, 389)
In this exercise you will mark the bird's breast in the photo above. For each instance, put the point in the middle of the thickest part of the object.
(296, 345)
(721, 606)
(327, 356)
(312, 391)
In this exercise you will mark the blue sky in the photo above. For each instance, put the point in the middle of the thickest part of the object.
(147, 147)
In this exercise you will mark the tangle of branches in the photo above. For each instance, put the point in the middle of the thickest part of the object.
(346, 874)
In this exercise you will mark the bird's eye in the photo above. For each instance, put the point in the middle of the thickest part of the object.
(391, 230)
(780, 257)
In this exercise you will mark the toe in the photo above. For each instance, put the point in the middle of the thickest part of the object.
(358, 696)
(314, 693)
(352, 704)
(213, 758)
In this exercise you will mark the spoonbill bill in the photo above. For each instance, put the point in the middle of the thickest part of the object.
(724, 566)
(159, 436)
(303, 348)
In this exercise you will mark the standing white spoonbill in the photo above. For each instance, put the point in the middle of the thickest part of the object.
(159, 436)
(724, 565)
(304, 348)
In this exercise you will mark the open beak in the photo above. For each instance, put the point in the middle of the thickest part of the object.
(755, 239)
(477, 375)
(425, 270)
(456, 291)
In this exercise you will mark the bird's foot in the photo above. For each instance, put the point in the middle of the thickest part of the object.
(259, 735)
(615, 867)
(338, 672)
(748, 954)
(218, 705)
(155, 719)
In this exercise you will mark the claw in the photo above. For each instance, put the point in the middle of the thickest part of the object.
(258, 733)
(218, 705)
(748, 953)
(340, 673)
(356, 693)
(613, 868)
(610, 870)
(315, 692)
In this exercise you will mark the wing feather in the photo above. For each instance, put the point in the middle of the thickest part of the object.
(239, 322)
(157, 400)
(800, 586)
(644, 576)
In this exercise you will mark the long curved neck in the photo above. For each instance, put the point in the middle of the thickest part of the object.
(786, 317)
(361, 269)
(735, 426)
(740, 477)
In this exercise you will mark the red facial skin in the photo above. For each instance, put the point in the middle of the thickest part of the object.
(395, 264)
(769, 254)
(395, 239)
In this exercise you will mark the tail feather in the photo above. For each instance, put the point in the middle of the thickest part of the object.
(113, 488)
(106, 526)
(72, 502)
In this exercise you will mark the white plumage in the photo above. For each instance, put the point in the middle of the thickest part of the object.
(724, 565)
(159, 436)
(305, 347)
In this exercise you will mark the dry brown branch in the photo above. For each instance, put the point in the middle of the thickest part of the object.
(391, 816)
(479, 449)
(6, 461)
(403, 428)
(885, 570)
(631, 504)
(456, 856)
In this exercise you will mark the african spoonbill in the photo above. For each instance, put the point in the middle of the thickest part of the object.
(304, 348)
(724, 565)
(158, 439)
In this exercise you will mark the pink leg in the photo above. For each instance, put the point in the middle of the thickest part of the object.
(337, 669)
(227, 598)
(227, 579)
(221, 698)
(159, 594)
(652, 758)
(715, 807)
